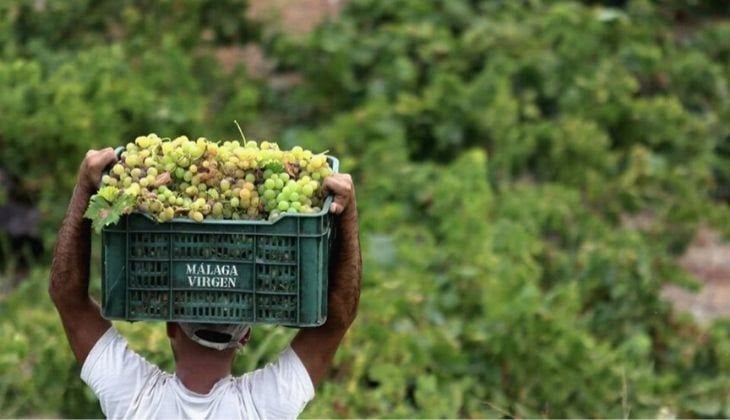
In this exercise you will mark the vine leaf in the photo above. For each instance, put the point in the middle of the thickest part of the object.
(104, 213)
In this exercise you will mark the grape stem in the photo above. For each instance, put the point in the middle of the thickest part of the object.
(240, 131)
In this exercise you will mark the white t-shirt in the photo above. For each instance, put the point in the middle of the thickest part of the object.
(128, 386)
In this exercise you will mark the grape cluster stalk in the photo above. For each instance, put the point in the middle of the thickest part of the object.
(203, 179)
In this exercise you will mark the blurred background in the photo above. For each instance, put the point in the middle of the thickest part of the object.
(543, 188)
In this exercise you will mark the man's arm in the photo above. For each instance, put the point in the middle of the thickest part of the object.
(316, 347)
(69, 286)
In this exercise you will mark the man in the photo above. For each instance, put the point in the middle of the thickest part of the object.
(202, 385)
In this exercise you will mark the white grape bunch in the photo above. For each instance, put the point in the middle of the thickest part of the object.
(202, 179)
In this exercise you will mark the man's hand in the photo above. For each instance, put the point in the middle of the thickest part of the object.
(69, 286)
(92, 167)
(342, 187)
(317, 346)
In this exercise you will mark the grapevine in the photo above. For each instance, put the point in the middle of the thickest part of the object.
(203, 179)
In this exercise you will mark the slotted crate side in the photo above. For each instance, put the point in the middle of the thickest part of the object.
(219, 306)
(114, 276)
(311, 290)
(324, 284)
(266, 273)
(147, 304)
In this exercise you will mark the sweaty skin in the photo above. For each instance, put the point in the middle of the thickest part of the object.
(199, 367)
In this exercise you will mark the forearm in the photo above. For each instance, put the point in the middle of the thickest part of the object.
(69, 286)
(317, 346)
(70, 268)
(346, 273)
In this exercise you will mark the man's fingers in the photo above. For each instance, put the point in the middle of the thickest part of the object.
(99, 159)
(341, 186)
(338, 204)
(94, 164)
(104, 158)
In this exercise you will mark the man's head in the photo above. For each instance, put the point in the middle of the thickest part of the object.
(205, 350)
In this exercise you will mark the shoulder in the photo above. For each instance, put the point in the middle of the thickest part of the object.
(111, 338)
(282, 388)
(111, 356)
(122, 380)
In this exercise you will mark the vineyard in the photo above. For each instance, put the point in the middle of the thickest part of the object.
(530, 175)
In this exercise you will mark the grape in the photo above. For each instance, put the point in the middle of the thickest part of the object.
(198, 204)
(156, 206)
(197, 216)
(109, 180)
(118, 170)
(167, 214)
(132, 190)
(202, 178)
(131, 161)
(217, 209)
(324, 172)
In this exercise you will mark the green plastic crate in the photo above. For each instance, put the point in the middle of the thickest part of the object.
(218, 271)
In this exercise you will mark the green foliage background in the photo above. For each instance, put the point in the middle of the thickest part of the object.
(497, 147)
